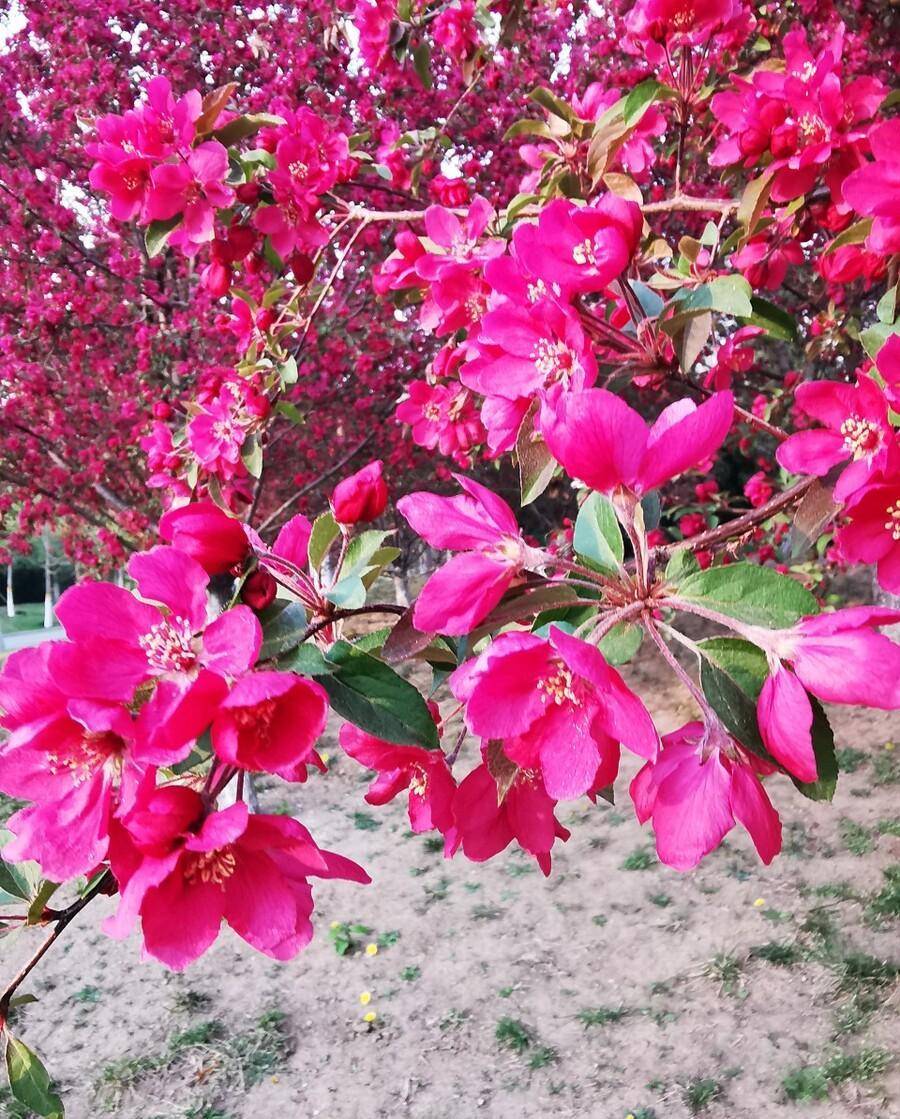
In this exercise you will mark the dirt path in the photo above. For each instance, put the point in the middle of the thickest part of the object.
(616, 987)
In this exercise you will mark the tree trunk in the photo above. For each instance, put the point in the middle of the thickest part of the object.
(48, 583)
(10, 600)
(892, 601)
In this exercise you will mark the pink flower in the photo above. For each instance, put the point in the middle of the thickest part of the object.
(454, 30)
(423, 772)
(839, 657)
(195, 188)
(487, 823)
(580, 248)
(888, 365)
(856, 428)
(120, 170)
(557, 708)
(758, 489)
(526, 350)
(603, 442)
(875, 188)
(701, 785)
(289, 228)
(270, 721)
(679, 22)
(872, 534)
(72, 757)
(441, 416)
(183, 872)
(161, 645)
(206, 533)
(361, 497)
(287, 559)
(483, 528)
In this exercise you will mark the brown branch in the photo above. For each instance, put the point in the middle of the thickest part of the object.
(740, 525)
(61, 920)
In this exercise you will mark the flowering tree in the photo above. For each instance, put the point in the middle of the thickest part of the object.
(616, 273)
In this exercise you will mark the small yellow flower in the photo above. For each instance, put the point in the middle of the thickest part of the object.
(889, 746)
(334, 924)
(365, 998)
(372, 949)
(369, 1016)
(325, 758)
(759, 903)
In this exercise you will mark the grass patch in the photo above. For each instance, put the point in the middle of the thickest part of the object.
(365, 821)
(542, 1056)
(601, 1015)
(513, 1034)
(663, 901)
(411, 974)
(777, 952)
(850, 760)
(885, 905)
(886, 769)
(642, 858)
(857, 839)
(247, 1057)
(812, 1082)
(726, 969)
(699, 1094)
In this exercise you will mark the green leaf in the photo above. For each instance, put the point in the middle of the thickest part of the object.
(886, 310)
(372, 696)
(283, 624)
(773, 319)
(290, 411)
(14, 886)
(536, 464)
(239, 128)
(639, 100)
(348, 593)
(753, 202)
(422, 63)
(30, 1082)
(553, 104)
(732, 673)
(528, 127)
(598, 538)
(325, 531)
(156, 235)
(752, 594)
(38, 905)
(874, 337)
(307, 660)
(682, 564)
(854, 234)
(826, 760)
(621, 643)
(361, 550)
(287, 371)
(729, 295)
(252, 455)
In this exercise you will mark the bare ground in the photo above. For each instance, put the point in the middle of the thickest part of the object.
(616, 987)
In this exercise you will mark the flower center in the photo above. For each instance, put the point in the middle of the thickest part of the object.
(537, 290)
(298, 169)
(583, 252)
(92, 754)
(811, 127)
(862, 437)
(169, 645)
(210, 866)
(432, 411)
(557, 687)
(418, 782)
(892, 524)
(553, 360)
(259, 717)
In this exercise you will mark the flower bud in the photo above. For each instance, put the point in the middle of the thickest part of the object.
(258, 590)
(361, 497)
(206, 533)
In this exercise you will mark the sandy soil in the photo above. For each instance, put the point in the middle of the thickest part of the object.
(616, 987)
